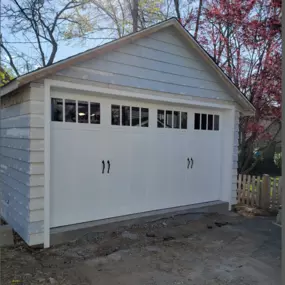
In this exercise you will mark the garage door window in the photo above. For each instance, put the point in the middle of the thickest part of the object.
(168, 119)
(70, 111)
(95, 113)
(144, 117)
(183, 120)
(160, 118)
(115, 114)
(171, 119)
(135, 116)
(56, 110)
(176, 120)
(216, 122)
(131, 116)
(126, 116)
(206, 122)
(82, 112)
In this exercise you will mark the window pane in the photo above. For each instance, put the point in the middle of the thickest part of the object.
(56, 110)
(125, 115)
(144, 117)
(95, 113)
(135, 116)
(70, 111)
(216, 122)
(197, 121)
(115, 113)
(168, 123)
(160, 118)
(82, 112)
(210, 122)
(183, 120)
(204, 122)
(176, 120)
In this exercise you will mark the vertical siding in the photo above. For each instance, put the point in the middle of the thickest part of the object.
(235, 159)
(21, 178)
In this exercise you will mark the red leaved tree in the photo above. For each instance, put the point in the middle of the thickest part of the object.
(244, 39)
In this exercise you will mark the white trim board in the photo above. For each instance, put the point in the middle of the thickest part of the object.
(189, 100)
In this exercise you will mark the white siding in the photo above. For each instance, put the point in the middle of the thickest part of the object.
(20, 162)
(161, 62)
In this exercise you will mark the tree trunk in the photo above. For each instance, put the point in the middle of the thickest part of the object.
(135, 12)
(198, 19)
(177, 9)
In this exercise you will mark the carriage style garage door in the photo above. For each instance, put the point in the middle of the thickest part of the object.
(113, 157)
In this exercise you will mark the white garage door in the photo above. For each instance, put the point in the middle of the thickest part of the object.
(112, 157)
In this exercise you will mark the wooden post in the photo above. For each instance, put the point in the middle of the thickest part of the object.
(265, 192)
(258, 191)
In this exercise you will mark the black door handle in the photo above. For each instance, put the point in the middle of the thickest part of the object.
(188, 162)
(109, 164)
(192, 162)
(103, 166)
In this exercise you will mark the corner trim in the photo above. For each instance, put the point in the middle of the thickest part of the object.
(47, 117)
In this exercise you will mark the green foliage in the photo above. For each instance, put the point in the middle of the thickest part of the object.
(278, 159)
(5, 76)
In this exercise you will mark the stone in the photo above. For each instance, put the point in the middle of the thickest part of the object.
(164, 224)
(128, 235)
(6, 236)
(150, 234)
(279, 217)
(52, 281)
(153, 248)
(167, 238)
(97, 261)
(115, 257)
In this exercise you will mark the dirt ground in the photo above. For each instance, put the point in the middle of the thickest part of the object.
(187, 249)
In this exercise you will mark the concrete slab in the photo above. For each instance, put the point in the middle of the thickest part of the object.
(72, 232)
(6, 236)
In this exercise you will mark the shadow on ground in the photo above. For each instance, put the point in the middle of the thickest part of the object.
(188, 249)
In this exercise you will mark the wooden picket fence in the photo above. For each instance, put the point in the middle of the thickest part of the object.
(262, 192)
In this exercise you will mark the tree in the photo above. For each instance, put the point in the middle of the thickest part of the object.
(5, 76)
(40, 23)
(244, 38)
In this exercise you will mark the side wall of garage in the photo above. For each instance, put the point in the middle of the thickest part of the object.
(20, 184)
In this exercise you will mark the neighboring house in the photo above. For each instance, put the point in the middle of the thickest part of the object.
(144, 123)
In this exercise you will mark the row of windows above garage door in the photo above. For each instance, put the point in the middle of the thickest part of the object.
(66, 110)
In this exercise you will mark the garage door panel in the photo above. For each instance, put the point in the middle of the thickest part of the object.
(75, 174)
(148, 166)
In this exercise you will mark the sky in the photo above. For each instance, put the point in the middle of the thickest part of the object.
(65, 49)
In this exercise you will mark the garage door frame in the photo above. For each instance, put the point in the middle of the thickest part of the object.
(228, 128)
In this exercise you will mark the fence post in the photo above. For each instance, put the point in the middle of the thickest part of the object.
(265, 192)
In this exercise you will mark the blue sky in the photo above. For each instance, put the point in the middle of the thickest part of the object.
(65, 49)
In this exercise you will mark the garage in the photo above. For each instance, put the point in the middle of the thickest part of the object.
(116, 157)
(143, 125)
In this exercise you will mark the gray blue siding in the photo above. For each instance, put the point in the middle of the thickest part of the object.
(19, 150)
(161, 62)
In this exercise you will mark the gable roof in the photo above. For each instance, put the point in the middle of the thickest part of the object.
(91, 53)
